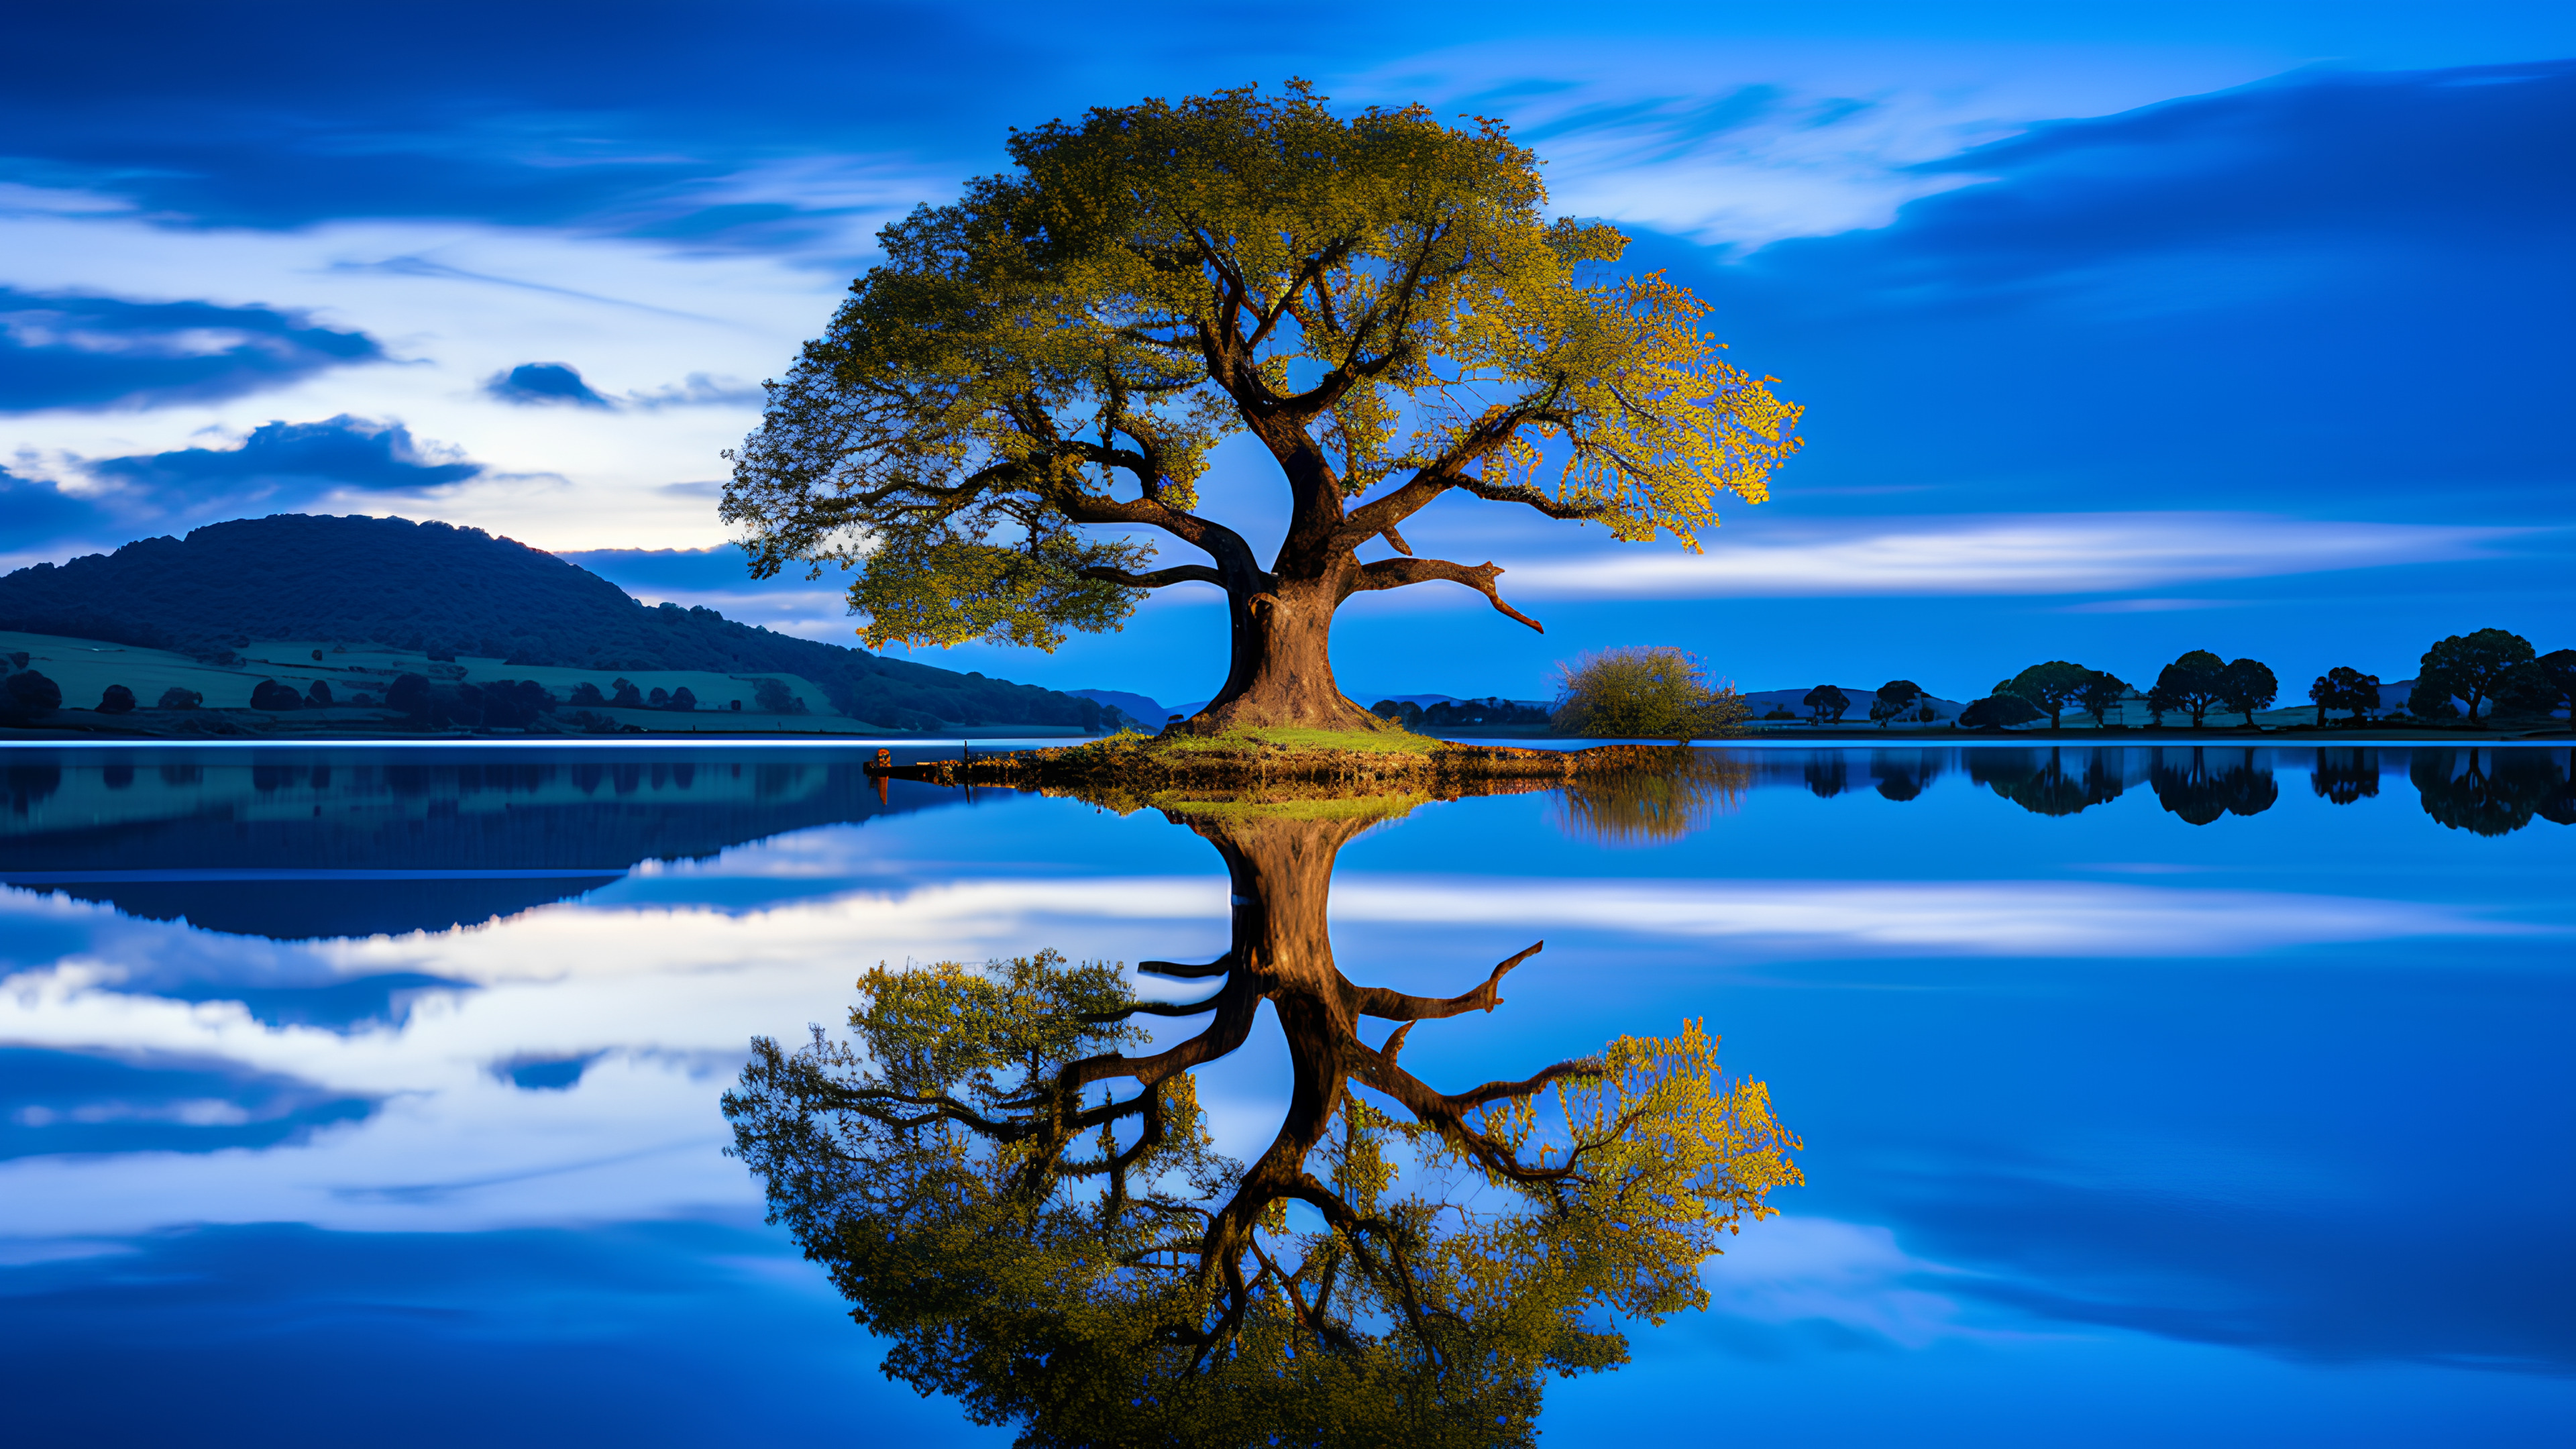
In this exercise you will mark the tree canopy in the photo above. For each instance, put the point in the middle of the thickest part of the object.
(2346, 688)
(2475, 667)
(2051, 686)
(2101, 694)
(2190, 684)
(1894, 698)
(2248, 685)
(1376, 299)
(1996, 711)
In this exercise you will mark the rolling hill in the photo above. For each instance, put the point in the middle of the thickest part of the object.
(450, 591)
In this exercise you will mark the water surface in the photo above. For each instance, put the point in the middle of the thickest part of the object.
(371, 1093)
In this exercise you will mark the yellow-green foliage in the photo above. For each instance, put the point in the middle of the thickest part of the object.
(1644, 693)
(1065, 345)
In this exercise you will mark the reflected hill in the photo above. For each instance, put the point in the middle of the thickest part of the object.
(304, 844)
(1016, 1188)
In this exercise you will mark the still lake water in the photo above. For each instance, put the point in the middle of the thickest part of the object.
(368, 1095)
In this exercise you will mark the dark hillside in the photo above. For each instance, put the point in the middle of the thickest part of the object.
(448, 591)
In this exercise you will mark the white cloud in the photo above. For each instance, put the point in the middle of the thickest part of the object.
(453, 304)
(2039, 553)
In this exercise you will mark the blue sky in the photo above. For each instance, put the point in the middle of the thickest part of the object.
(2124, 330)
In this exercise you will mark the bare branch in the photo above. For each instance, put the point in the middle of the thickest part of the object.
(1388, 1005)
(1217, 967)
(1159, 578)
(1396, 573)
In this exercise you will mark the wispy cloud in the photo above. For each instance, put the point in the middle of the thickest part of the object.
(2060, 553)
(1744, 143)
(1982, 918)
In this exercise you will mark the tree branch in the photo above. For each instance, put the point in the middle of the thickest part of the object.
(1388, 1005)
(1159, 578)
(1396, 573)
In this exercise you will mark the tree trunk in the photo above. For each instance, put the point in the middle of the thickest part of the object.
(1282, 674)
(1282, 949)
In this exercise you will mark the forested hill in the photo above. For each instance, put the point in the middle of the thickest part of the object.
(450, 591)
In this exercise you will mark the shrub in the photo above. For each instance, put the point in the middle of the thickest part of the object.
(682, 701)
(586, 694)
(29, 693)
(319, 696)
(1995, 711)
(624, 694)
(410, 694)
(772, 697)
(176, 698)
(117, 700)
(278, 698)
(1643, 693)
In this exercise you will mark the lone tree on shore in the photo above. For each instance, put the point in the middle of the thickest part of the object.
(1827, 703)
(1377, 301)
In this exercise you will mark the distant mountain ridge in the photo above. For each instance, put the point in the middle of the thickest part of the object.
(448, 590)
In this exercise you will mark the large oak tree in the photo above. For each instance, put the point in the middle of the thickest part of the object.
(1027, 391)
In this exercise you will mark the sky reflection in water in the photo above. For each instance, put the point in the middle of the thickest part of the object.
(2215, 1092)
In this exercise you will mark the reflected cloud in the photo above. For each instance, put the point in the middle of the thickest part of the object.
(1849, 1274)
(1985, 917)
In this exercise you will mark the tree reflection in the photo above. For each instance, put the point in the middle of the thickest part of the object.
(2042, 782)
(1904, 774)
(1395, 1268)
(2201, 784)
(1828, 776)
(2492, 791)
(2344, 776)
(1650, 807)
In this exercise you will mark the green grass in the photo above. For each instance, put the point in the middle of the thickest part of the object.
(1301, 737)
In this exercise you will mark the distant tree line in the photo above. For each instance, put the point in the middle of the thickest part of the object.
(2492, 671)
(1451, 714)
